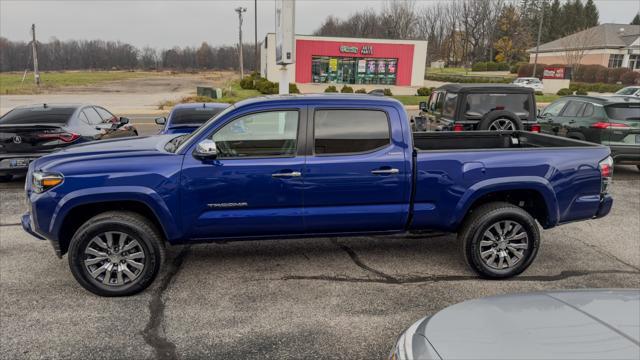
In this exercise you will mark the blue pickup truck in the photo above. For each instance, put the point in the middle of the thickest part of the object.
(308, 166)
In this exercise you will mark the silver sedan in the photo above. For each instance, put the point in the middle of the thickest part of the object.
(581, 324)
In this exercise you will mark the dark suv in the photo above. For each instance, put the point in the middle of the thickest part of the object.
(607, 120)
(458, 107)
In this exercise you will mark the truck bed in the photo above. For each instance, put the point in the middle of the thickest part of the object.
(491, 140)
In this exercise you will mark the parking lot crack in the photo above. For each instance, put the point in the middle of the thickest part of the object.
(356, 259)
(605, 253)
(153, 333)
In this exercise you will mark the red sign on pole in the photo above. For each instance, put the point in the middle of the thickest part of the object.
(553, 73)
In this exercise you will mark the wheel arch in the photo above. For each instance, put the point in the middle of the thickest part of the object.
(534, 195)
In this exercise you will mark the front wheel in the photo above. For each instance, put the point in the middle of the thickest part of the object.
(499, 240)
(116, 253)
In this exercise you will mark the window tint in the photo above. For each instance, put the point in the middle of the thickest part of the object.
(573, 109)
(350, 131)
(92, 116)
(449, 108)
(588, 110)
(39, 115)
(193, 116)
(104, 114)
(554, 109)
(262, 134)
(623, 112)
(477, 105)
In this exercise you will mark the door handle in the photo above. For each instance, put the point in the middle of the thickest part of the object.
(385, 171)
(288, 174)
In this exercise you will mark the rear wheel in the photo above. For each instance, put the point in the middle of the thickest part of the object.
(499, 240)
(116, 253)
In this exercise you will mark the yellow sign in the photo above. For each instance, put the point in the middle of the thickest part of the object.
(333, 64)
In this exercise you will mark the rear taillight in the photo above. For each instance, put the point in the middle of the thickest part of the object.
(606, 173)
(458, 127)
(606, 125)
(535, 128)
(63, 136)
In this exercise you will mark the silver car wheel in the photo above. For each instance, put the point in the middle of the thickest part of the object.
(503, 245)
(114, 259)
(502, 125)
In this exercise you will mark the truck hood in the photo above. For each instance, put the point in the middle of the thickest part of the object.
(554, 325)
(105, 149)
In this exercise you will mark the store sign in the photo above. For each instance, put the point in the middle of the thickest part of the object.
(365, 50)
(553, 73)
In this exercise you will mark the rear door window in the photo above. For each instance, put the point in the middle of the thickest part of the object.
(573, 109)
(588, 110)
(350, 131)
(92, 116)
(39, 115)
(449, 106)
(104, 114)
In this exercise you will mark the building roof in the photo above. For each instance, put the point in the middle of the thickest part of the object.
(604, 36)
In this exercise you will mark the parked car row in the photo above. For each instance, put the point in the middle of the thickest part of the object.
(609, 120)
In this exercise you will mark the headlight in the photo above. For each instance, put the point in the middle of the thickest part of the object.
(42, 182)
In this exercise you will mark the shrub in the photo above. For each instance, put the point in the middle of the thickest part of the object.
(630, 78)
(539, 93)
(293, 89)
(346, 89)
(564, 92)
(387, 92)
(247, 83)
(581, 92)
(331, 89)
(361, 91)
(490, 66)
(595, 87)
(423, 91)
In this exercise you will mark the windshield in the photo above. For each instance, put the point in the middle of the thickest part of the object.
(175, 144)
(39, 115)
(627, 91)
(193, 116)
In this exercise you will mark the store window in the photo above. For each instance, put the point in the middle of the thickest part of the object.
(345, 70)
(615, 60)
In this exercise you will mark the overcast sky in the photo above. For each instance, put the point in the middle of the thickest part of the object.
(168, 23)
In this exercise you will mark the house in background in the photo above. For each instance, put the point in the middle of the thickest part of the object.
(610, 45)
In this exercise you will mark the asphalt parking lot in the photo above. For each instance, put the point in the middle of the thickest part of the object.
(318, 298)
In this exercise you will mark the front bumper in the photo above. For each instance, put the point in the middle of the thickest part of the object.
(27, 226)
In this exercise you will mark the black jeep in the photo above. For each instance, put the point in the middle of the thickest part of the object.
(462, 107)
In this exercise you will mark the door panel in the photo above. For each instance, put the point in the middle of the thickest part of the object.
(349, 189)
(255, 186)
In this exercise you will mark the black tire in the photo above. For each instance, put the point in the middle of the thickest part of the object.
(135, 226)
(480, 221)
(638, 166)
(6, 177)
(489, 118)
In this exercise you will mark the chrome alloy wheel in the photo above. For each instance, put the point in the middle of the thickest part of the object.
(503, 244)
(114, 259)
(502, 125)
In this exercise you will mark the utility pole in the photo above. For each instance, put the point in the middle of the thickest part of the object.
(255, 14)
(535, 63)
(36, 73)
(240, 10)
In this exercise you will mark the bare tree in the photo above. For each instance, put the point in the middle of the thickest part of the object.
(574, 47)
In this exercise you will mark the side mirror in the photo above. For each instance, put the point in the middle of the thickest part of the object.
(206, 149)
(423, 105)
(124, 120)
(161, 120)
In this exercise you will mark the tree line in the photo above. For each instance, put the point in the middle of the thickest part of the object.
(107, 55)
(463, 32)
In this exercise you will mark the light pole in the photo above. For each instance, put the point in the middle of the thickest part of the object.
(535, 62)
(255, 48)
(240, 10)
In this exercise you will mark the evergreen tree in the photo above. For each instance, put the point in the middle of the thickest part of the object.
(555, 22)
(591, 15)
(636, 20)
(579, 21)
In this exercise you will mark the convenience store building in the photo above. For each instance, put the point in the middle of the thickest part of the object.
(338, 60)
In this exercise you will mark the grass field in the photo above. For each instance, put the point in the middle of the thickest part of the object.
(11, 83)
